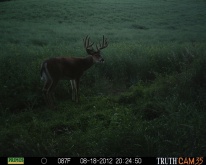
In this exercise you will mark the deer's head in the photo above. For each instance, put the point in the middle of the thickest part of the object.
(96, 54)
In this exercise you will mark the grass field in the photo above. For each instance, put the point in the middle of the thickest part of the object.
(147, 99)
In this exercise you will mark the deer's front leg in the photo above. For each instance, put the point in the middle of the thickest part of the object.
(77, 89)
(73, 89)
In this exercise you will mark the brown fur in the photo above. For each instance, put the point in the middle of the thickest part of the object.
(70, 68)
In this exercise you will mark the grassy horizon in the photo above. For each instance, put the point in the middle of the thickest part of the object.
(148, 99)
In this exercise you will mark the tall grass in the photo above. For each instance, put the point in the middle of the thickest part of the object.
(148, 99)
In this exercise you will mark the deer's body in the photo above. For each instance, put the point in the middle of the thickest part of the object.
(69, 68)
(66, 68)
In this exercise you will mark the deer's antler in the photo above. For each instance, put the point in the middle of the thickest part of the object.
(88, 45)
(102, 45)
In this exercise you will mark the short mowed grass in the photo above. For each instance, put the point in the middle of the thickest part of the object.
(147, 99)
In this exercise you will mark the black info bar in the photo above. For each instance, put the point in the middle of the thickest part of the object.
(103, 160)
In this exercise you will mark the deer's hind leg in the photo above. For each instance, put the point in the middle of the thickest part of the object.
(73, 89)
(50, 92)
(77, 89)
(49, 86)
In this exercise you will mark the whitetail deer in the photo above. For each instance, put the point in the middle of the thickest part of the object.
(71, 68)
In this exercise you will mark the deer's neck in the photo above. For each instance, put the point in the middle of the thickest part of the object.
(87, 62)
